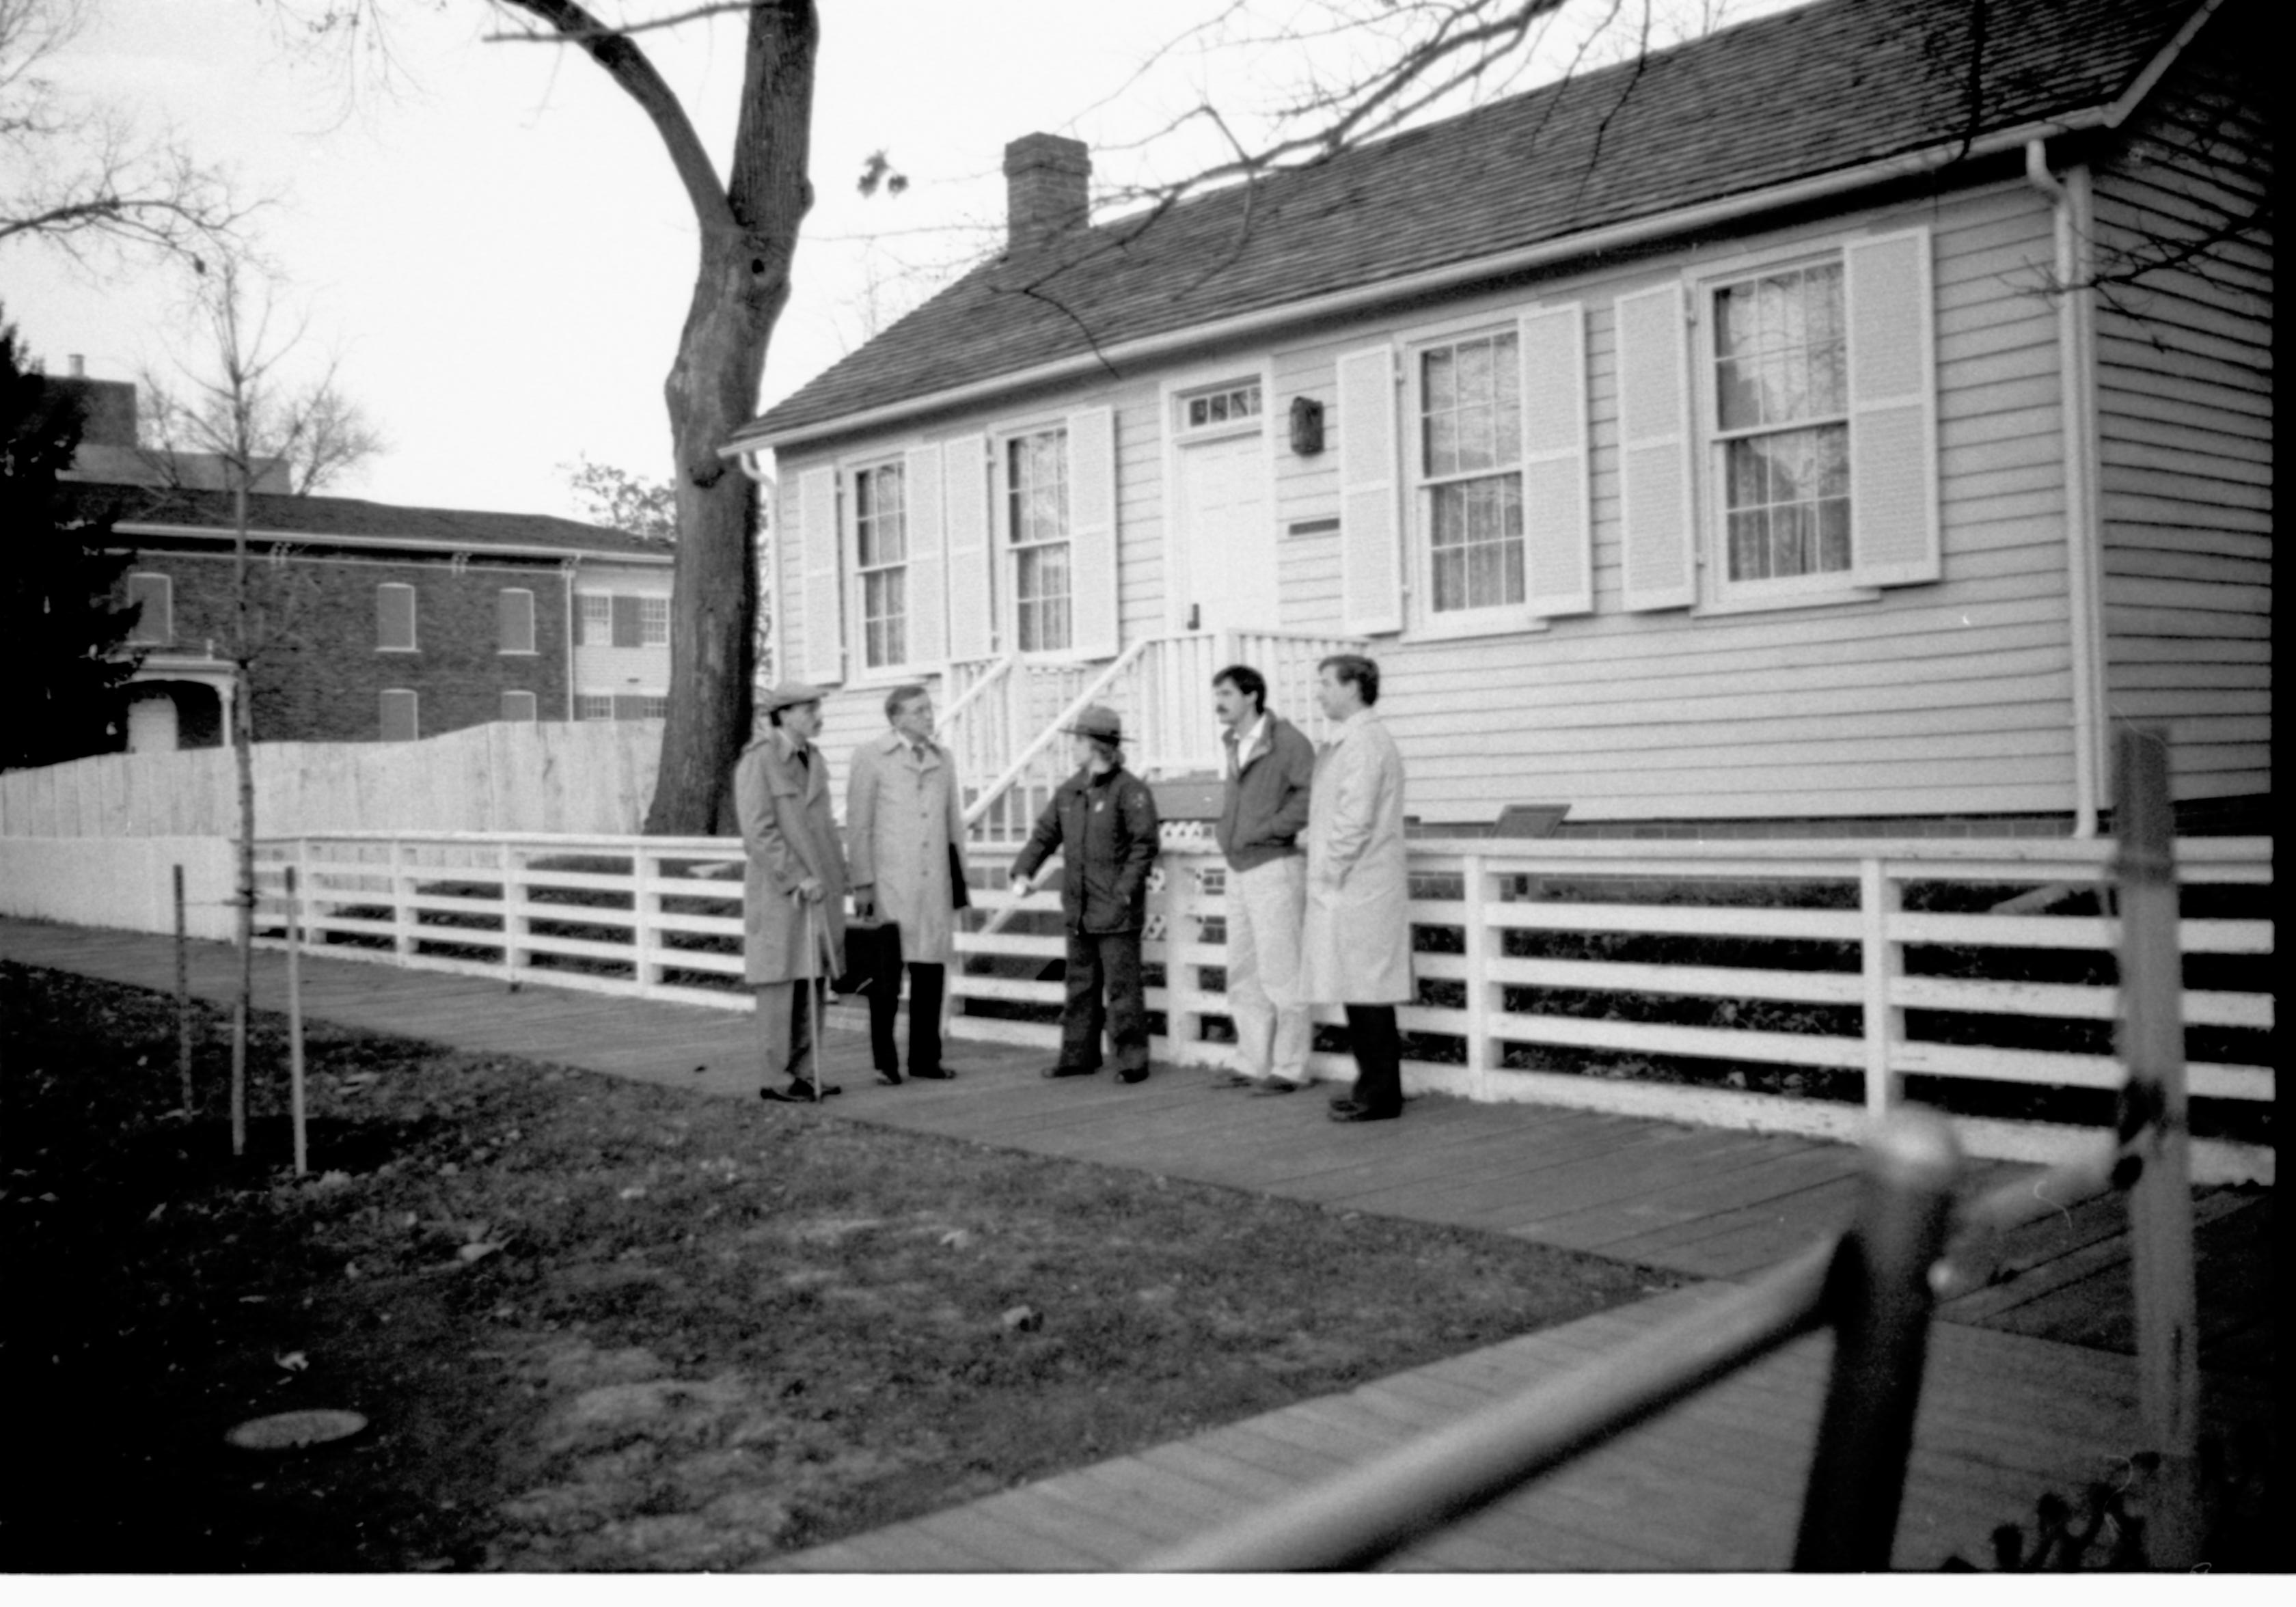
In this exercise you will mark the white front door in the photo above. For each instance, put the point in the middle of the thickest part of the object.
(1225, 549)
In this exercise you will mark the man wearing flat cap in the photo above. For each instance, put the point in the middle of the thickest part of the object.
(1103, 821)
(793, 891)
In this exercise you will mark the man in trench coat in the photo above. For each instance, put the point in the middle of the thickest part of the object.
(905, 827)
(793, 891)
(1355, 947)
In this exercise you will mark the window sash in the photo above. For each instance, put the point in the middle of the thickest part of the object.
(1037, 533)
(653, 621)
(401, 712)
(1468, 459)
(1780, 425)
(880, 552)
(155, 624)
(516, 614)
(593, 706)
(521, 707)
(394, 604)
(595, 612)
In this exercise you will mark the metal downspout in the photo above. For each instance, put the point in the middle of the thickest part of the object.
(2068, 203)
(573, 567)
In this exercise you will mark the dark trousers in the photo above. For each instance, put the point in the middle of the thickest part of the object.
(1379, 1056)
(926, 984)
(1104, 993)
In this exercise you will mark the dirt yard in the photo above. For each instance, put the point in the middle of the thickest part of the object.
(601, 1325)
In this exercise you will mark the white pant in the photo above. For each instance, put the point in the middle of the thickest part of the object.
(1266, 905)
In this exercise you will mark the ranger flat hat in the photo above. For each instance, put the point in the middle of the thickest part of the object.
(788, 695)
(1097, 719)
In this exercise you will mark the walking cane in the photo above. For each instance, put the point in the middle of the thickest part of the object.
(818, 936)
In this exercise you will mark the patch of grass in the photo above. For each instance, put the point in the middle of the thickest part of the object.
(600, 1324)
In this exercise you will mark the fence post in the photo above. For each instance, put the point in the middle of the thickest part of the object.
(402, 914)
(295, 1021)
(1883, 959)
(1477, 936)
(644, 902)
(182, 996)
(1878, 1300)
(2152, 1119)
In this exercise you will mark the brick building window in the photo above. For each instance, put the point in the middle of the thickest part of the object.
(394, 617)
(521, 707)
(516, 611)
(401, 722)
(155, 626)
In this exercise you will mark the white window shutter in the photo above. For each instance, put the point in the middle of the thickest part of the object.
(926, 597)
(1893, 480)
(1557, 529)
(965, 526)
(1093, 570)
(1371, 543)
(1658, 533)
(818, 541)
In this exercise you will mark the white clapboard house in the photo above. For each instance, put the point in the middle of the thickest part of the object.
(1837, 423)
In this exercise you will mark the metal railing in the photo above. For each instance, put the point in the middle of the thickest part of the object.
(1875, 1285)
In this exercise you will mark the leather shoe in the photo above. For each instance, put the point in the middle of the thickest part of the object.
(1138, 1074)
(1070, 1071)
(797, 1094)
(892, 1079)
(1340, 1102)
(1351, 1112)
(1274, 1084)
(1237, 1079)
(932, 1074)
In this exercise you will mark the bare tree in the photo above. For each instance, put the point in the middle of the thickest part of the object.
(82, 175)
(313, 434)
(238, 411)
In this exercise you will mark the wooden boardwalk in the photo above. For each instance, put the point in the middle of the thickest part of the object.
(2010, 1407)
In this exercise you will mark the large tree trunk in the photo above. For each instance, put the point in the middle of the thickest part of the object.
(747, 235)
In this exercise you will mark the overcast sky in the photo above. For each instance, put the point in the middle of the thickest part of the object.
(498, 248)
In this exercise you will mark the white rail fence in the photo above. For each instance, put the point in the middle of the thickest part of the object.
(586, 775)
(1984, 969)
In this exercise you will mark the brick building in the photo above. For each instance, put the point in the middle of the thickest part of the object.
(378, 622)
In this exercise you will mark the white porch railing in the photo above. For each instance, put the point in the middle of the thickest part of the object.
(660, 917)
(1005, 715)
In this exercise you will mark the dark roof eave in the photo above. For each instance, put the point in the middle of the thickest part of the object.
(184, 532)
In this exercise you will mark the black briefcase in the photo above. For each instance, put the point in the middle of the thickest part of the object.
(873, 949)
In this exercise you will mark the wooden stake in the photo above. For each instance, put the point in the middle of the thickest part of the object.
(295, 1021)
(2153, 1115)
(183, 997)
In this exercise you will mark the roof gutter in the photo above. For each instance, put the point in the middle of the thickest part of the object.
(391, 542)
(1451, 275)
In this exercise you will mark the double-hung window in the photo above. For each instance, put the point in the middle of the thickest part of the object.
(880, 564)
(399, 714)
(595, 614)
(394, 617)
(515, 612)
(1469, 465)
(1781, 440)
(1036, 530)
(155, 619)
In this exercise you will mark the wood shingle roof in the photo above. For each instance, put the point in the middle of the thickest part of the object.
(1835, 85)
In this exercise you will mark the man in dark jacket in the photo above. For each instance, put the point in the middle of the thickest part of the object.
(1103, 819)
(1269, 767)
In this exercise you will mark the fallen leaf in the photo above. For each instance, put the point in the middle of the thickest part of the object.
(1025, 1319)
(637, 1191)
(476, 1252)
(294, 1361)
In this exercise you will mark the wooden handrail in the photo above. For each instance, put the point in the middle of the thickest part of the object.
(1019, 767)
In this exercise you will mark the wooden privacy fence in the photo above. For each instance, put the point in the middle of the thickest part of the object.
(586, 775)
(1790, 987)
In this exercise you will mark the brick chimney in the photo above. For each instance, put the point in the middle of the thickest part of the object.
(1047, 183)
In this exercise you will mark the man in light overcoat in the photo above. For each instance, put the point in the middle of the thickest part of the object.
(904, 828)
(793, 891)
(1356, 948)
